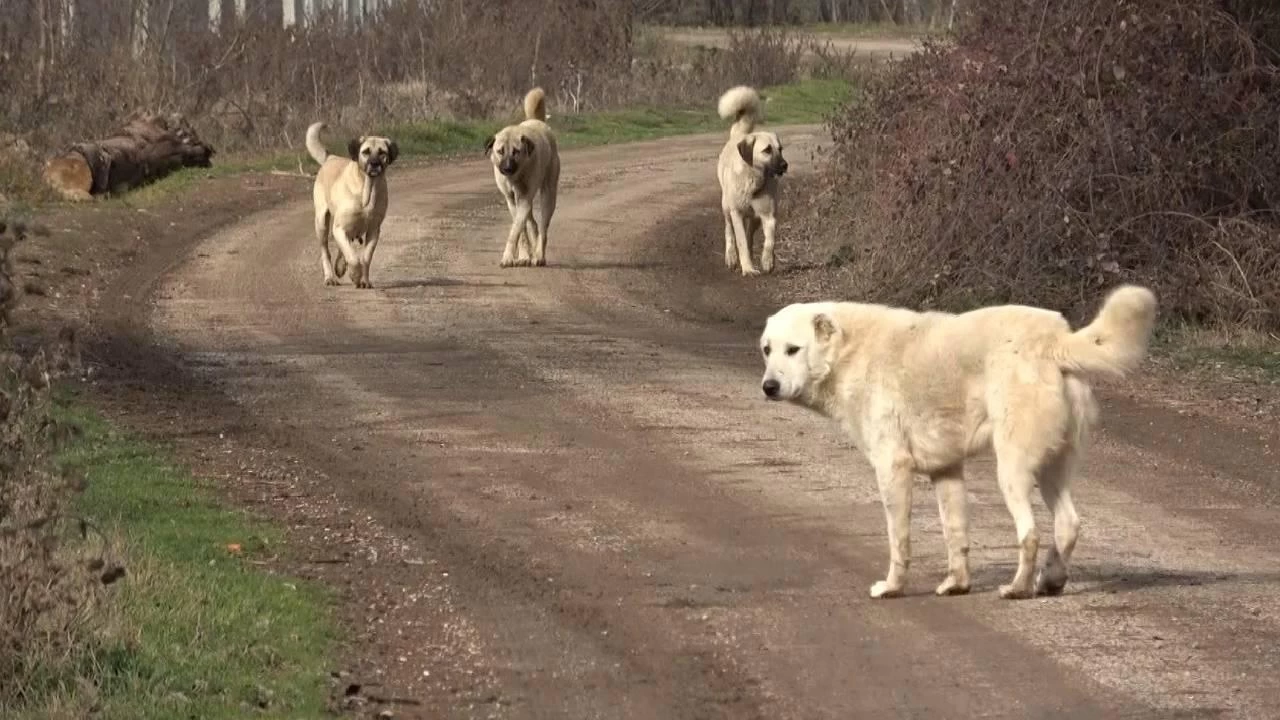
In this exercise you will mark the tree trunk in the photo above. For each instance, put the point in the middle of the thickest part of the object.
(147, 148)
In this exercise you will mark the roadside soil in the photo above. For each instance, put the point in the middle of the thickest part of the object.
(556, 492)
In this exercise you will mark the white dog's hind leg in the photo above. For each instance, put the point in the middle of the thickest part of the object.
(953, 508)
(895, 492)
(326, 261)
(743, 243)
(1055, 480)
(770, 225)
(1016, 482)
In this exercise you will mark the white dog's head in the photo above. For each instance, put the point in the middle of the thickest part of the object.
(799, 344)
(509, 149)
(763, 151)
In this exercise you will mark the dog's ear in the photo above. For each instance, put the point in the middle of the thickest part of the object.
(528, 145)
(746, 148)
(393, 151)
(353, 148)
(823, 327)
(488, 144)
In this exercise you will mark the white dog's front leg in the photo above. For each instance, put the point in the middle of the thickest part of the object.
(518, 220)
(770, 225)
(743, 243)
(730, 246)
(895, 492)
(326, 261)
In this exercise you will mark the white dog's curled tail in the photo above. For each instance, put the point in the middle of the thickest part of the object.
(535, 105)
(743, 106)
(1116, 341)
(314, 146)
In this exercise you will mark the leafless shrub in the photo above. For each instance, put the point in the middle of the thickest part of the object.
(46, 585)
(1116, 141)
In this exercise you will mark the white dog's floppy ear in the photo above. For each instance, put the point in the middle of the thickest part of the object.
(488, 144)
(746, 148)
(823, 327)
(393, 151)
(353, 148)
(528, 145)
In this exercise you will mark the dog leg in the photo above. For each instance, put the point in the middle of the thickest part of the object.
(519, 217)
(953, 508)
(1016, 482)
(326, 261)
(895, 492)
(366, 252)
(353, 260)
(769, 223)
(547, 199)
(1055, 480)
(525, 245)
(730, 245)
(743, 243)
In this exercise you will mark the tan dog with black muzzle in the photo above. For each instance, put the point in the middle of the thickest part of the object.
(526, 166)
(750, 164)
(350, 196)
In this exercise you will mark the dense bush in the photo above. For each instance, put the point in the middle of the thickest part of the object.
(1054, 148)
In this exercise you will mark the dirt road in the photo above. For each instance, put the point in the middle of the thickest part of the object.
(598, 516)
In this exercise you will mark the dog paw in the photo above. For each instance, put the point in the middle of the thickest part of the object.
(507, 262)
(951, 586)
(332, 281)
(540, 262)
(1051, 584)
(1012, 592)
(750, 272)
(364, 285)
(883, 589)
(731, 261)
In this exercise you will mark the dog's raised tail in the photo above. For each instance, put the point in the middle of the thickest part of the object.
(1116, 341)
(743, 106)
(314, 146)
(535, 105)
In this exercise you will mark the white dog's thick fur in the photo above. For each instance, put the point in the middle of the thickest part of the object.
(526, 165)
(749, 167)
(350, 197)
(919, 393)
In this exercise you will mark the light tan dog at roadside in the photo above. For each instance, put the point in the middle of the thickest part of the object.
(919, 393)
(526, 167)
(350, 196)
(750, 164)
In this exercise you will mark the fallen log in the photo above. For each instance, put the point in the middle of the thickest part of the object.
(149, 147)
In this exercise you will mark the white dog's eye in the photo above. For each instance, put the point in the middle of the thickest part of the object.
(792, 350)
(768, 150)
(364, 151)
(765, 350)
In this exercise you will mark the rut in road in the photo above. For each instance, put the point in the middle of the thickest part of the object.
(632, 531)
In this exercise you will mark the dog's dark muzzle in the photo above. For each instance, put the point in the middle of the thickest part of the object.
(507, 167)
(374, 169)
(779, 168)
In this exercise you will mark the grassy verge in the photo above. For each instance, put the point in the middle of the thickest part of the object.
(194, 629)
(1248, 355)
(804, 102)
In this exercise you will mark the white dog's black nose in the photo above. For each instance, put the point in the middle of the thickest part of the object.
(771, 388)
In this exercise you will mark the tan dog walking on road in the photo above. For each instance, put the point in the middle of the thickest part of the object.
(526, 167)
(350, 196)
(919, 393)
(750, 164)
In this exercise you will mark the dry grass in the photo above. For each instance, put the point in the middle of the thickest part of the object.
(1117, 142)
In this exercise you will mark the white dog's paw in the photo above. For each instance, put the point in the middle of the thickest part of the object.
(1051, 582)
(364, 284)
(766, 264)
(539, 262)
(507, 261)
(731, 260)
(750, 272)
(1013, 592)
(331, 280)
(883, 589)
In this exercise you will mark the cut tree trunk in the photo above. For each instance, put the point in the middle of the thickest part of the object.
(149, 147)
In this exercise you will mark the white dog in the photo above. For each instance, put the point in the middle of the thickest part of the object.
(749, 167)
(920, 392)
